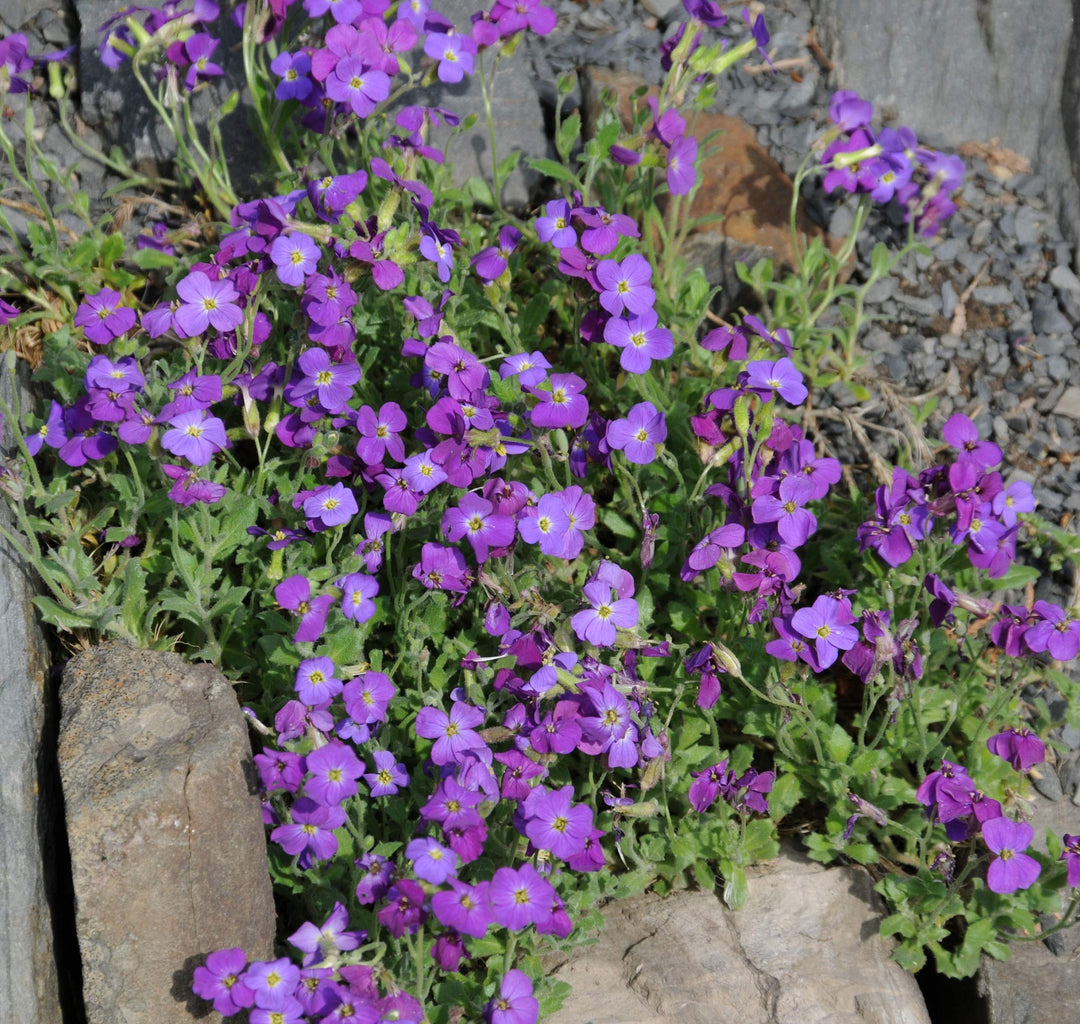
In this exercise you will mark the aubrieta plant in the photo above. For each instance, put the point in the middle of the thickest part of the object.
(533, 588)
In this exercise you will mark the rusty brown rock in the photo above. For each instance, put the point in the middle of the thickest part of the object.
(167, 842)
(740, 182)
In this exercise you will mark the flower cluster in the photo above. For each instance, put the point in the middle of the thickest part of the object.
(888, 165)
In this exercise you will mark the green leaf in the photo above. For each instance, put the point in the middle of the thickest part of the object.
(736, 888)
(553, 169)
(880, 260)
(65, 618)
(508, 164)
(569, 132)
(152, 259)
(838, 744)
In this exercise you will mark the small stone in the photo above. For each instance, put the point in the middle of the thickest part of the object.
(1062, 278)
(981, 235)
(1069, 403)
(1047, 318)
(1058, 368)
(1029, 225)
(993, 295)
(1046, 781)
(949, 298)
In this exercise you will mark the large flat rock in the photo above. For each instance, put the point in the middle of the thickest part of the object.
(803, 950)
(167, 842)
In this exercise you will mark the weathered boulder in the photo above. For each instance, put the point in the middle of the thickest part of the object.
(803, 950)
(29, 991)
(167, 843)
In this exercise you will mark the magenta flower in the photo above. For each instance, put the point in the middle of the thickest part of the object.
(828, 624)
(189, 488)
(195, 436)
(442, 568)
(272, 981)
(1071, 855)
(515, 1003)
(219, 980)
(463, 907)
(103, 318)
(1053, 632)
(600, 623)
(475, 519)
(639, 435)
(205, 303)
(1011, 869)
(294, 595)
(626, 286)
(1020, 747)
(553, 822)
(794, 523)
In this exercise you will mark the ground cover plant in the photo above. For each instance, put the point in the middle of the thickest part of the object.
(531, 576)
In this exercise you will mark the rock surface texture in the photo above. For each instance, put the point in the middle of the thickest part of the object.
(804, 949)
(29, 992)
(168, 850)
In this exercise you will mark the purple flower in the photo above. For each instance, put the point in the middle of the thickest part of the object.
(1071, 855)
(273, 982)
(475, 519)
(389, 775)
(195, 436)
(334, 505)
(1011, 869)
(103, 318)
(599, 624)
(793, 522)
(441, 568)
(190, 488)
(219, 980)
(515, 1003)
(330, 382)
(315, 681)
(294, 595)
(197, 50)
(333, 770)
(626, 286)
(681, 173)
(640, 339)
(454, 52)
(311, 833)
(554, 226)
(828, 624)
(454, 733)
(553, 822)
(638, 436)
(432, 861)
(358, 85)
(765, 377)
(1054, 632)
(1020, 747)
(317, 942)
(519, 897)
(463, 907)
(205, 303)
(563, 406)
(293, 70)
(357, 601)
(490, 263)
(960, 433)
(531, 368)
(296, 256)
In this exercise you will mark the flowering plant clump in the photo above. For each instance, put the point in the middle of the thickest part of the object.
(533, 587)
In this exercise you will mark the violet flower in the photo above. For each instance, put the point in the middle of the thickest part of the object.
(103, 318)
(1011, 869)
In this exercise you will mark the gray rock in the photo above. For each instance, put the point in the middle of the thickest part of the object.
(167, 842)
(1030, 225)
(993, 294)
(1062, 278)
(1046, 318)
(1069, 403)
(804, 949)
(29, 988)
(968, 69)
